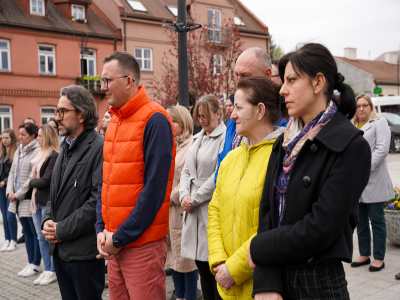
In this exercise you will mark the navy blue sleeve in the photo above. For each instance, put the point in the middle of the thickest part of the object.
(99, 226)
(157, 152)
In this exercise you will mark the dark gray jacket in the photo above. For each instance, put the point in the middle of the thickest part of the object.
(72, 201)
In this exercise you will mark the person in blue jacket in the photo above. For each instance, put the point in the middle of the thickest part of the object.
(252, 62)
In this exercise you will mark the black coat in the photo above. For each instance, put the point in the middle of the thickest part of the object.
(43, 183)
(6, 165)
(325, 185)
(72, 201)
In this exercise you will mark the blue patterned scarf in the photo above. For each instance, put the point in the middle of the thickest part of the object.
(307, 133)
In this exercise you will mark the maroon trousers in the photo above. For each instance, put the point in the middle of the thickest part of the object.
(138, 272)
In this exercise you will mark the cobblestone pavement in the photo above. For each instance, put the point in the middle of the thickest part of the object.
(362, 284)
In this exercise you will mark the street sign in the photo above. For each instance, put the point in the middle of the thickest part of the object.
(377, 90)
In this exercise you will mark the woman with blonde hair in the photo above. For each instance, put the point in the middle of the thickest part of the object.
(379, 188)
(184, 271)
(43, 164)
(7, 151)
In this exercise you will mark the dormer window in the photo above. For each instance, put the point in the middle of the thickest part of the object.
(136, 5)
(37, 7)
(78, 12)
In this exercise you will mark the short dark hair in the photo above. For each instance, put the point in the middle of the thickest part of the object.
(83, 102)
(127, 64)
(30, 118)
(275, 62)
(30, 128)
(261, 89)
(311, 59)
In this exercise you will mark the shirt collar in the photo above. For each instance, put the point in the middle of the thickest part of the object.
(69, 142)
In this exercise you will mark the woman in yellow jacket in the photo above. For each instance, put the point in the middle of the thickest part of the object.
(233, 210)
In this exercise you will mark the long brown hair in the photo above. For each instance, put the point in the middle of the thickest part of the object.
(13, 148)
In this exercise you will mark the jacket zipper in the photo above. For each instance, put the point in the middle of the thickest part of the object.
(109, 174)
(234, 208)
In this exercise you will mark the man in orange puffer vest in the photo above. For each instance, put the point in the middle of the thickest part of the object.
(133, 199)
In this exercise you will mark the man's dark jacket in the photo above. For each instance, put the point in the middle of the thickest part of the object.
(43, 183)
(72, 201)
(325, 185)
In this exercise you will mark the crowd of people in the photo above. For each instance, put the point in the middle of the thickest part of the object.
(262, 204)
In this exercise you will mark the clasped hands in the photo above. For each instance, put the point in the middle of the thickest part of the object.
(11, 197)
(50, 231)
(187, 204)
(221, 278)
(105, 246)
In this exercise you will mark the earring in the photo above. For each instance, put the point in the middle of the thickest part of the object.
(315, 91)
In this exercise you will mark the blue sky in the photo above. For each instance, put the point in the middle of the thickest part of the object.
(371, 26)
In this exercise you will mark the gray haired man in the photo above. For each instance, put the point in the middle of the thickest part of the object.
(70, 215)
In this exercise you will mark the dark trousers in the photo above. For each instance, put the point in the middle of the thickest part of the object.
(79, 280)
(207, 281)
(185, 284)
(326, 280)
(375, 213)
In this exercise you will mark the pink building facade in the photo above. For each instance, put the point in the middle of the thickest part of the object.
(41, 52)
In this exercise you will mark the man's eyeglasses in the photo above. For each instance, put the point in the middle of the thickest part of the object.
(104, 80)
(274, 75)
(61, 112)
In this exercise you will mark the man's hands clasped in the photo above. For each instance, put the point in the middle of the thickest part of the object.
(50, 232)
(105, 246)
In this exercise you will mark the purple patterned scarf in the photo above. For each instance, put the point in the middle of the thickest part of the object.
(292, 148)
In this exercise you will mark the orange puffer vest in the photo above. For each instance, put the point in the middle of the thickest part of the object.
(123, 167)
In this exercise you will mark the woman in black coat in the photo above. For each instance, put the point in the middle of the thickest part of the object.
(43, 164)
(317, 172)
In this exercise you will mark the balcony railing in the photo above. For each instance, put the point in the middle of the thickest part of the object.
(91, 83)
(217, 35)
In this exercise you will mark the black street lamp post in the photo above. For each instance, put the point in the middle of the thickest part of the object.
(182, 28)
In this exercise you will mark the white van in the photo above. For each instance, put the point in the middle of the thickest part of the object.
(387, 104)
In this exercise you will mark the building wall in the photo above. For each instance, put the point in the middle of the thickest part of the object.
(150, 34)
(387, 90)
(360, 81)
(25, 90)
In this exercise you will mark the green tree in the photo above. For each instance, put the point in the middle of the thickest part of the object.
(276, 51)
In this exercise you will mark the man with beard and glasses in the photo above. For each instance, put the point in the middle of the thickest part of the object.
(70, 215)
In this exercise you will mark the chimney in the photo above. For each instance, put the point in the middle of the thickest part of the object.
(391, 58)
(350, 53)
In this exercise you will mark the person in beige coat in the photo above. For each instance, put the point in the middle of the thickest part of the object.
(184, 271)
(197, 187)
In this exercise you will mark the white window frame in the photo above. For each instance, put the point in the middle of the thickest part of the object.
(173, 10)
(136, 5)
(143, 59)
(215, 63)
(48, 116)
(4, 114)
(213, 28)
(6, 50)
(238, 21)
(37, 7)
(89, 57)
(46, 55)
(76, 6)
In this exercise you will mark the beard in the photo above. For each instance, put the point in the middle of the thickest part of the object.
(68, 130)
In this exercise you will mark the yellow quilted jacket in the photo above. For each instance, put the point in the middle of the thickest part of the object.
(233, 213)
